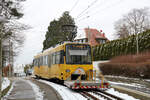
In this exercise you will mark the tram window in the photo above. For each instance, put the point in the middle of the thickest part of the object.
(57, 57)
(41, 61)
(38, 60)
(46, 60)
(35, 62)
(61, 57)
(53, 58)
(78, 54)
(49, 60)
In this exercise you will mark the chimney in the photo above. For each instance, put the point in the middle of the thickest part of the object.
(103, 34)
(100, 31)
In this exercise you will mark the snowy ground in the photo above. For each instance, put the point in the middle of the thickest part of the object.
(68, 94)
(137, 84)
(5, 83)
(121, 95)
(126, 84)
(148, 80)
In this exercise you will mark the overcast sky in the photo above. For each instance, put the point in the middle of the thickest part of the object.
(102, 15)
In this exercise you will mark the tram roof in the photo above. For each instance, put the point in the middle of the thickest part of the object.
(56, 46)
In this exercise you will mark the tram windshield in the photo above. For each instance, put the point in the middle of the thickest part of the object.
(78, 54)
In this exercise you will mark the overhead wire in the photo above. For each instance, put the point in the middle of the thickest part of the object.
(102, 3)
(86, 8)
(74, 6)
(108, 7)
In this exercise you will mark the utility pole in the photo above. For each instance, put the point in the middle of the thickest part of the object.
(12, 60)
(0, 62)
(89, 35)
(137, 44)
(9, 59)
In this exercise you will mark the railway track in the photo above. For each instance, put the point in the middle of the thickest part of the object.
(96, 95)
(88, 95)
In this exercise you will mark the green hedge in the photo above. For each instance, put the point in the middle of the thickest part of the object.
(122, 46)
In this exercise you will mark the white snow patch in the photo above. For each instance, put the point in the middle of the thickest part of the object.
(37, 91)
(12, 86)
(101, 98)
(5, 83)
(126, 84)
(148, 80)
(96, 64)
(122, 77)
(121, 95)
(65, 93)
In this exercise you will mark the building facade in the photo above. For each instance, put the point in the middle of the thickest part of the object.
(93, 37)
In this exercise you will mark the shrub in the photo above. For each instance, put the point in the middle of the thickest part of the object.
(137, 66)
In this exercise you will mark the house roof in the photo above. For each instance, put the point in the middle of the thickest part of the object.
(94, 33)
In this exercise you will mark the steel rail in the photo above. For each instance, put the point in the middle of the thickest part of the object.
(88, 95)
(102, 95)
(110, 95)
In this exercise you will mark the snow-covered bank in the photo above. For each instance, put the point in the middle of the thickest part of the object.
(12, 86)
(121, 95)
(5, 83)
(126, 84)
(148, 80)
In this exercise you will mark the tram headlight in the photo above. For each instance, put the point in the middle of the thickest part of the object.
(67, 70)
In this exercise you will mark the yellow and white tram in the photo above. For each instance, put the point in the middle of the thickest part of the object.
(69, 62)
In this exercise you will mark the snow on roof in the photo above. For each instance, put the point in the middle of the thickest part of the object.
(83, 33)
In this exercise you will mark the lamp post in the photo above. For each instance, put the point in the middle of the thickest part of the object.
(72, 29)
(137, 44)
(2, 20)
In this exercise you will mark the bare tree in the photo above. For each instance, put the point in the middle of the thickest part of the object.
(136, 21)
(14, 38)
(12, 31)
(121, 29)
